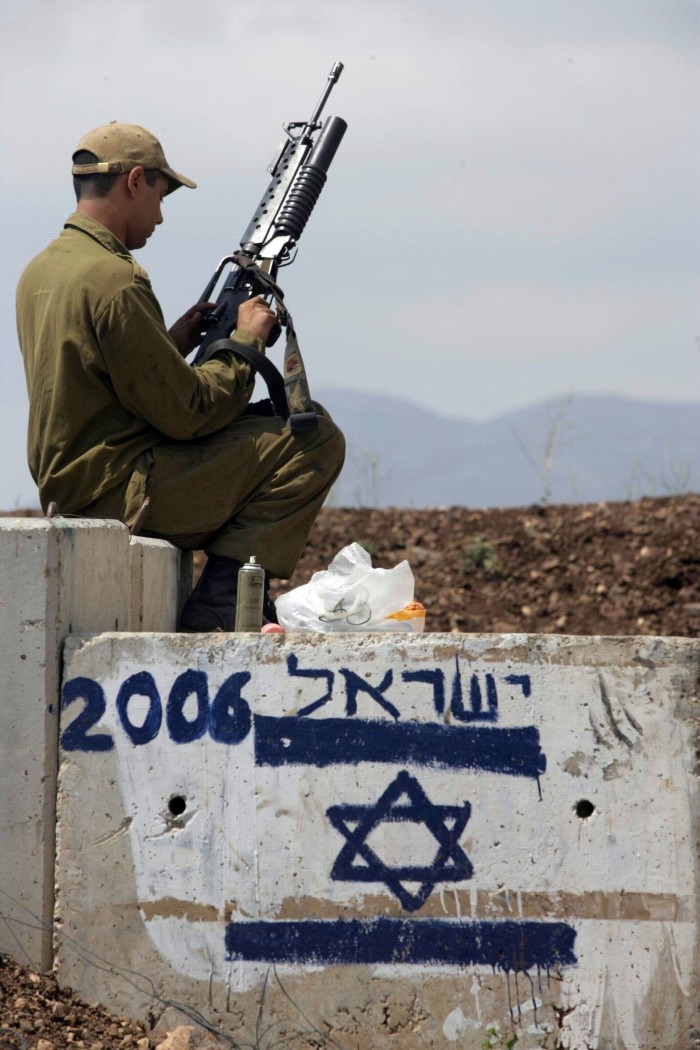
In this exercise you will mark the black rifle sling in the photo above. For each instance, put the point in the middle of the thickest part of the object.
(261, 364)
(299, 421)
(301, 413)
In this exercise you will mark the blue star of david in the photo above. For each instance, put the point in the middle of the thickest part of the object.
(450, 863)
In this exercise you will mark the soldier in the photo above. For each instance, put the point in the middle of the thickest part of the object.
(117, 414)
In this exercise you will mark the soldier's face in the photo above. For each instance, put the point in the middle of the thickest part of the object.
(146, 211)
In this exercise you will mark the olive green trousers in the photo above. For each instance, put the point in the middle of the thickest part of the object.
(251, 488)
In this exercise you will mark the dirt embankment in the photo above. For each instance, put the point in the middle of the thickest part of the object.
(607, 568)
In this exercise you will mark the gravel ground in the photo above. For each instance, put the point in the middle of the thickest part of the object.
(35, 1014)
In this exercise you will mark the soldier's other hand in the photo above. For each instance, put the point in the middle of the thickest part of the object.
(186, 333)
(257, 317)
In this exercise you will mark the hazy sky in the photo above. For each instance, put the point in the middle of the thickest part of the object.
(512, 215)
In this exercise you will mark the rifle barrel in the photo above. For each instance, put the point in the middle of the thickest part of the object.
(332, 79)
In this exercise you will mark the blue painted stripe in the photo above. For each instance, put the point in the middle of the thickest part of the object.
(290, 740)
(509, 946)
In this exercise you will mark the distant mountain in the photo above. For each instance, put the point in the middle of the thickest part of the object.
(579, 450)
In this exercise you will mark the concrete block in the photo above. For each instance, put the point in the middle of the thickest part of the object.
(57, 576)
(160, 578)
(414, 841)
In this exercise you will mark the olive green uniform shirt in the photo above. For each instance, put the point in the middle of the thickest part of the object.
(105, 379)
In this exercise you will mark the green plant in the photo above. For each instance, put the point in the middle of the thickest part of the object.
(491, 1034)
(493, 1040)
(481, 554)
(530, 530)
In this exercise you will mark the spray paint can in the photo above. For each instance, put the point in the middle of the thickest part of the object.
(249, 598)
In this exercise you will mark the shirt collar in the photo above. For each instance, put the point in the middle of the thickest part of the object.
(98, 232)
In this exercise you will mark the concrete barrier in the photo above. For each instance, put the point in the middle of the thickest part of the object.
(59, 576)
(160, 578)
(385, 841)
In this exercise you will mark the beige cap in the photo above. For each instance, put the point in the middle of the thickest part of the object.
(122, 147)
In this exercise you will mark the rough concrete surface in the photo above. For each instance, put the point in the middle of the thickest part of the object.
(58, 576)
(387, 842)
(160, 578)
(44, 596)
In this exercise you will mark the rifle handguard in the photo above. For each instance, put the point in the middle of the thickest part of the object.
(307, 187)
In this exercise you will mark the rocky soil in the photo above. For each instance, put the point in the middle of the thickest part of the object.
(597, 569)
(35, 1013)
(609, 568)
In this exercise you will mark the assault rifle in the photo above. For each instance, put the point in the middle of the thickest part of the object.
(270, 242)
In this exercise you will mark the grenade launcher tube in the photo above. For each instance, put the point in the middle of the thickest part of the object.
(306, 187)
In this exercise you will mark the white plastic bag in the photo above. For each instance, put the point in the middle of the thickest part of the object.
(350, 596)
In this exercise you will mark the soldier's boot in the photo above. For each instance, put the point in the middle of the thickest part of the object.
(212, 604)
(269, 610)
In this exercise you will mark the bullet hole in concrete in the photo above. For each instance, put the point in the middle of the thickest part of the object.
(177, 805)
(584, 809)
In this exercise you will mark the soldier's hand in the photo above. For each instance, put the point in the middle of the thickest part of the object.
(255, 316)
(186, 333)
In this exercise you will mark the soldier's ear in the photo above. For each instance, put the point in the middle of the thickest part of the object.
(135, 179)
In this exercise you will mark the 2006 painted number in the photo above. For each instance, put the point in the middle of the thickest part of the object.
(227, 718)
